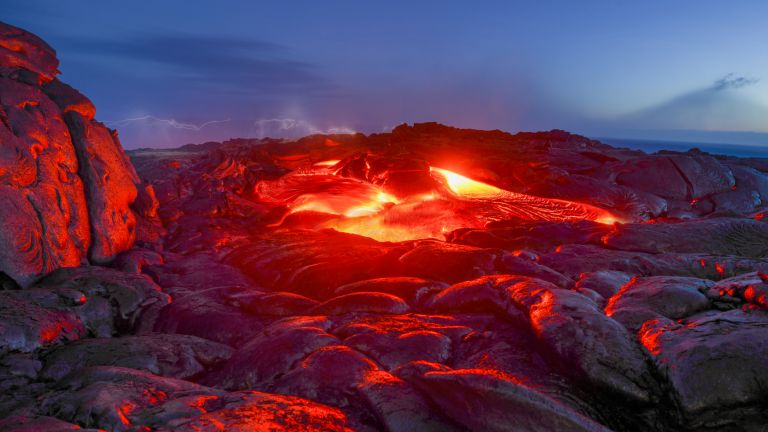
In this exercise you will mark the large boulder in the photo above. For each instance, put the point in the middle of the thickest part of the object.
(658, 296)
(44, 219)
(110, 187)
(65, 183)
(480, 399)
(25, 325)
(23, 51)
(122, 399)
(115, 302)
(170, 355)
(716, 365)
(682, 177)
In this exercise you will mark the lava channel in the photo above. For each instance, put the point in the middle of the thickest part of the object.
(320, 198)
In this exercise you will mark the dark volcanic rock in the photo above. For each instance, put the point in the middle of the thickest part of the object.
(27, 326)
(248, 410)
(370, 302)
(604, 282)
(631, 203)
(538, 236)
(109, 397)
(399, 407)
(581, 287)
(66, 186)
(110, 187)
(741, 237)
(44, 213)
(204, 316)
(598, 348)
(392, 350)
(549, 306)
(572, 260)
(483, 400)
(169, 355)
(454, 263)
(69, 99)
(21, 50)
(411, 289)
(485, 294)
(273, 303)
(20, 423)
(312, 263)
(749, 193)
(449, 263)
(115, 301)
(270, 355)
(716, 365)
(643, 299)
(676, 176)
(318, 376)
(666, 181)
(750, 288)
(123, 399)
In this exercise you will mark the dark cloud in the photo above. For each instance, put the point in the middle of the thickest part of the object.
(733, 81)
(214, 63)
(710, 108)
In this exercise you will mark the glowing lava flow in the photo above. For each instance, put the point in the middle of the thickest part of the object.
(359, 207)
(511, 204)
(466, 187)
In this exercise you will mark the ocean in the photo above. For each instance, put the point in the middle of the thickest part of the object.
(650, 146)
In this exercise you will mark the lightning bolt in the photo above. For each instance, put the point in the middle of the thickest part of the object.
(289, 125)
(168, 122)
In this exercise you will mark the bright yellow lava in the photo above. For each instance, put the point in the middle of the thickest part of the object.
(327, 163)
(367, 209)
(465, 186)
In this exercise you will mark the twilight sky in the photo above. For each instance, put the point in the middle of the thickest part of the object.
(171, 72)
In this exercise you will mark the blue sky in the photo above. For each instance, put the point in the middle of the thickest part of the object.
(170, 72)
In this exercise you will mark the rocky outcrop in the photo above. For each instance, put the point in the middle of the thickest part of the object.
(715, 363)
(66, 186)
(110, 187)
(122, 399)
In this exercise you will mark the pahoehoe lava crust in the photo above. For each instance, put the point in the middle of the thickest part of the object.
(427, 279)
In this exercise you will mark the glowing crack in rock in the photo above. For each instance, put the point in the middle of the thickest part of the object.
(360, 207)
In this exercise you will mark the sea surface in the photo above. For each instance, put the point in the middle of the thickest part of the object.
(651, 146)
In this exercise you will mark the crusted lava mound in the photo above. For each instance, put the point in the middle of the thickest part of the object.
(427, 279)
(66, 187)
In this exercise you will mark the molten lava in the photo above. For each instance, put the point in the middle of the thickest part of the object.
(454, 201)
(466, 187)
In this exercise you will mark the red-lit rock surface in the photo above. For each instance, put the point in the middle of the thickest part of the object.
(66, 186)
(243, 305)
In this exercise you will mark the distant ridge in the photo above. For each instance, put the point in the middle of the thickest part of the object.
(651, 146)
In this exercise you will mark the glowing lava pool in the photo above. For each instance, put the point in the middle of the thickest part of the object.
(324, 197)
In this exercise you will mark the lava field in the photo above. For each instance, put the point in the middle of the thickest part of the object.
(426, 279)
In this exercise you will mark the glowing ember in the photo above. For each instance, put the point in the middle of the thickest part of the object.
(359, 207)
